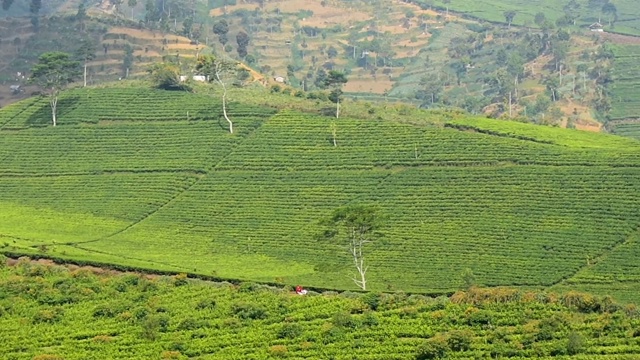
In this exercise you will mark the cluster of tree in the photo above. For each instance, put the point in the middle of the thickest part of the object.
(34, 10)
(503, 55)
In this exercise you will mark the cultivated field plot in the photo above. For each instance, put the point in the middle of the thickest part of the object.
(493, 10)
(55, 313)
(517, 204)
(631, 130)
(625, 99)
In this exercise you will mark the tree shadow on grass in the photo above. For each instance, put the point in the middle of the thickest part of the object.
(42, 117)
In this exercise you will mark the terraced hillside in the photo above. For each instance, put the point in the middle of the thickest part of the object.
(129, 178)
(625, 98)
(624, 20)
(51, 312)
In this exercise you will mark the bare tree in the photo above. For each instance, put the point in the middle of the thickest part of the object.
(357, 226)
(216, 69)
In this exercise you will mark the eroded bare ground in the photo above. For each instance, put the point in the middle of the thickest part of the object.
(621, 39)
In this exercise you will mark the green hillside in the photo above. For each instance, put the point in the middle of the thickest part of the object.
(129, 178)
(53, 313)
(625, 99)
(624, 20)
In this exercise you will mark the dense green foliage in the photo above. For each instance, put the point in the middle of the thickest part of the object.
(49, 312)
(129, 179)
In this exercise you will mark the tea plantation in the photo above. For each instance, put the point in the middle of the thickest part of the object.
(149, 179)
(625, 99)
(51, 312)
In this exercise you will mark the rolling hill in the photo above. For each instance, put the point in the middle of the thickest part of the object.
(152, 179)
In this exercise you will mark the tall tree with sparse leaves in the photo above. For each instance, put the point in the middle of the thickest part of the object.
(132, 4)
(216, 69)
(509, 16)
(334, 81)
(86, 52)
(53, 72)
(355, 226)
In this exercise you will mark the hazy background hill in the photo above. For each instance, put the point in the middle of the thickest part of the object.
(539, 66)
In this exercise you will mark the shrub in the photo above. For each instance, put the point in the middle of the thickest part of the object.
(548, 327)
(480, 318)
(278, 351)
(180, 280)
(372, 300)
(170, 355)
(434, 348)
(275, 88)
(166, 76)
(249, 311)
(102, 339)
(48, 315)
(47, 357)
(247, 287)
(583, 302)
(370, 319)
(344, 320)
(290, 331)
(575, 343)
(150, 327)
(333, 333)
(460, 340)
(106, 310)
(140, 313)
(188, 324)
(206, 304)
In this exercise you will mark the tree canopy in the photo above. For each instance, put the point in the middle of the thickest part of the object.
(53, 72)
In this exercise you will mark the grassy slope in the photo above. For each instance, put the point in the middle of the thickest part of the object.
(122, 182)
(53, 313)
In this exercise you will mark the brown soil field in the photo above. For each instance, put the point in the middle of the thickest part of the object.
(593, 127)
(149, 35)
(323, 16)
(621, 39)
(368, 85)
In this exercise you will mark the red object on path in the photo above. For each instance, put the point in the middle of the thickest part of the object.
(298, 289)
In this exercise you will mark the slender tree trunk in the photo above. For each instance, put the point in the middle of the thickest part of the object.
(224, 102)
(334, 131)
(338, 108)
(54, 107)
(85, 74)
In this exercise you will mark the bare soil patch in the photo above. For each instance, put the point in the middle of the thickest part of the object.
(621, 39)
(368, 85)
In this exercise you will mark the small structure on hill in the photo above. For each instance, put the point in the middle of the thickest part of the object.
(279, 79)
(596, 27)
(195, 78)
(15, 89)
